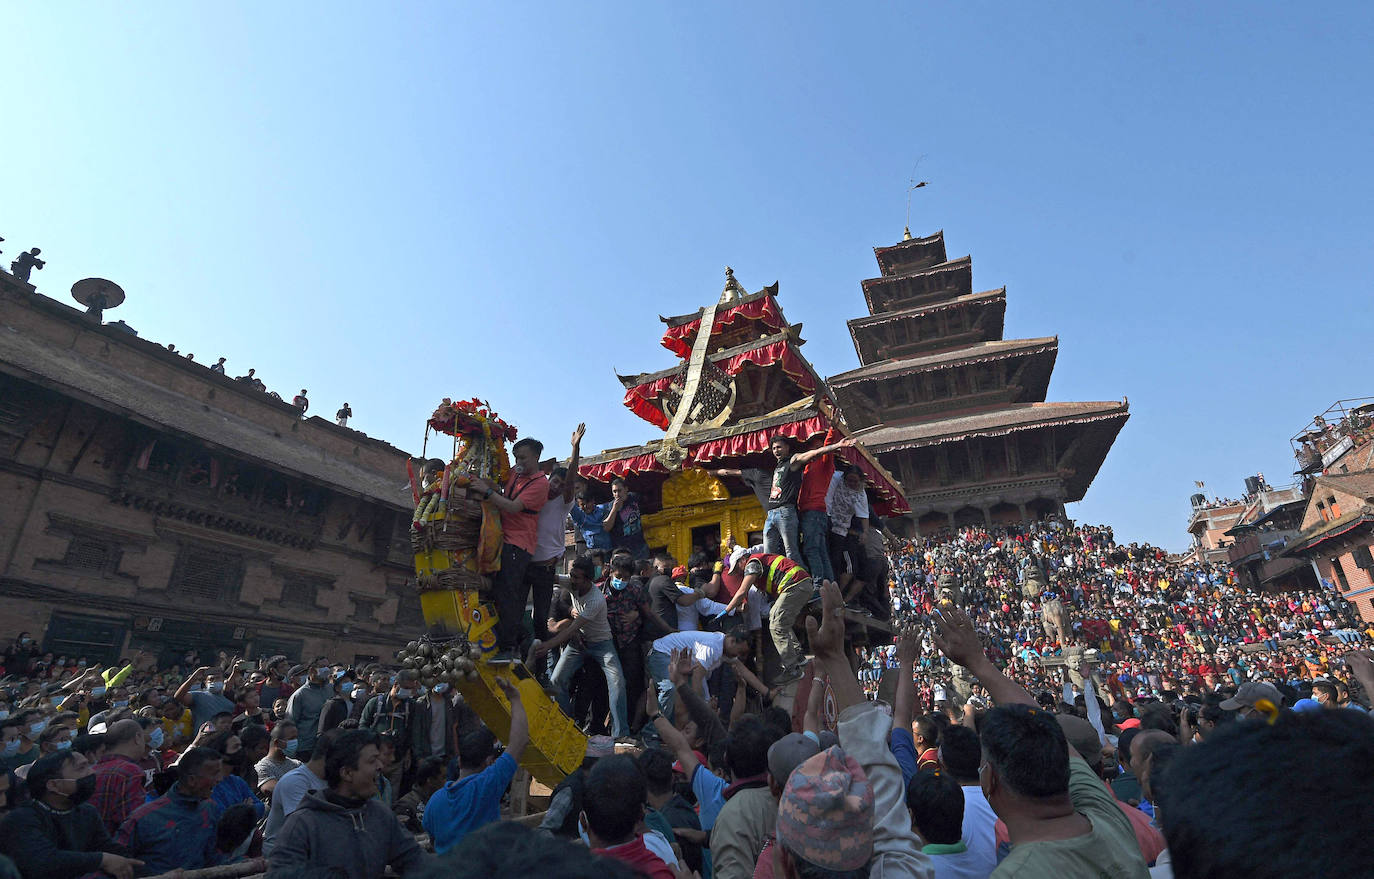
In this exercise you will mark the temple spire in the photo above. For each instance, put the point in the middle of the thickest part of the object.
(906, 233)
(732, 290)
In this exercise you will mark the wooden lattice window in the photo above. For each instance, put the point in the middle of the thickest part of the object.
(89, 553)
(365, 609)
(206, 574)
(300, 591)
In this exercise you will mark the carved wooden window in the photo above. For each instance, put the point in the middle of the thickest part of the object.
(365, 609)
(91, 554)
(207, 575)
(409, 616)
(300, 591)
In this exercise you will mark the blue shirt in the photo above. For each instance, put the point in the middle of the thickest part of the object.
(233, 790)
(205, 705)
(902, 744)
(462, 806)
(591, 525)
(709, 790)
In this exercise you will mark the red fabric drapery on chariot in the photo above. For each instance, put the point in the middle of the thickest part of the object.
(678, 339)
(640, 398)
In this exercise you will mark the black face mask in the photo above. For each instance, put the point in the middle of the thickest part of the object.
(85, 787)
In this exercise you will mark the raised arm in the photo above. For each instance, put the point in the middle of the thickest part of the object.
(811, 721)
(801, 459)
(574, 462)
(747, 676)
(904, 703)
(957, 640)
(741, 593)
(519, 724)
(183, 693)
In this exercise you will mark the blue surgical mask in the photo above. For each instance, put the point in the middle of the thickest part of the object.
(596, 572)
(63, 745)
(619, 584)
(155, 738)
(216, 687)
(4, 714)
(57, 700)
(35, 729)
(403, 694)
(347, 687)
(290, 747)
(323, 671)
(97, 692)
(440, 689)
(11, 748)
(120, 703)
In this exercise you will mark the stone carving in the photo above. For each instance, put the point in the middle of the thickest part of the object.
(26, 263)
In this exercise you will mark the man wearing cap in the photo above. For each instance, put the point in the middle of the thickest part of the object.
(1249, 696)
(844, 809)
(788, 588)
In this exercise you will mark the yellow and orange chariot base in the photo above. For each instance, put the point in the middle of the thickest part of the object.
(557, 746)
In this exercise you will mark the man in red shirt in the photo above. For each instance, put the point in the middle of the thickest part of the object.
(519, 502)
(612, 806)
(119, 779)
(815, 524)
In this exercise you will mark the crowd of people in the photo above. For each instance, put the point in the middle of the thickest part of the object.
(834, 702)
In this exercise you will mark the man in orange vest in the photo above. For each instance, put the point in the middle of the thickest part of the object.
(788, 588)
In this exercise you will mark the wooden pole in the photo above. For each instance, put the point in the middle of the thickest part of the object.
(237, 870)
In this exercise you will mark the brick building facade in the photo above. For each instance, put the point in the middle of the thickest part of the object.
(147, 502)
(1338, 536)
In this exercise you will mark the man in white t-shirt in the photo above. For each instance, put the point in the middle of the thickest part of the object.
(542, 571)
(589, 621)
(709, 649)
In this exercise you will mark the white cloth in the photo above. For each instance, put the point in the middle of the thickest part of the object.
(1164, 866)
(592, 608)
(980, 827)
(550, 528)
(654, 842)
(689, 616)
(844, 504)
(708, 648)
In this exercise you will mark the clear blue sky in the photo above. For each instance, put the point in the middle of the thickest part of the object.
(389, 204)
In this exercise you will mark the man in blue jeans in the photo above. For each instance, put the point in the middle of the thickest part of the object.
(782, 524)
(587, 634)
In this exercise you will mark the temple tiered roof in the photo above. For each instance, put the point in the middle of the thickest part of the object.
(953, 408)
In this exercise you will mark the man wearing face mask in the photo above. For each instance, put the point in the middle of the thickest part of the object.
(207, 702)
(119, 780)
(11, 741)
(280, 759)
(395, 713)
(306, 704)
(54, 738)
(59, 835)
(30, 725)
(432, 727)
(519, 502)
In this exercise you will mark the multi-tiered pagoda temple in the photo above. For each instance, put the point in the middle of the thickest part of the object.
(954, 410)
(740, 380)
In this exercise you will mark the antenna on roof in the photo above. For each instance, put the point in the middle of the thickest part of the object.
(912, 185)
(97, 294)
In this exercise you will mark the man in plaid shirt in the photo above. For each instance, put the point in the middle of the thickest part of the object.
(119, 780)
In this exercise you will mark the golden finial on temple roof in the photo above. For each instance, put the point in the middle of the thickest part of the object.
(732, 290)
(906, 233)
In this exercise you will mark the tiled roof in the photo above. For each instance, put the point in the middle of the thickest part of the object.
(996, 422)
(975, 353)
